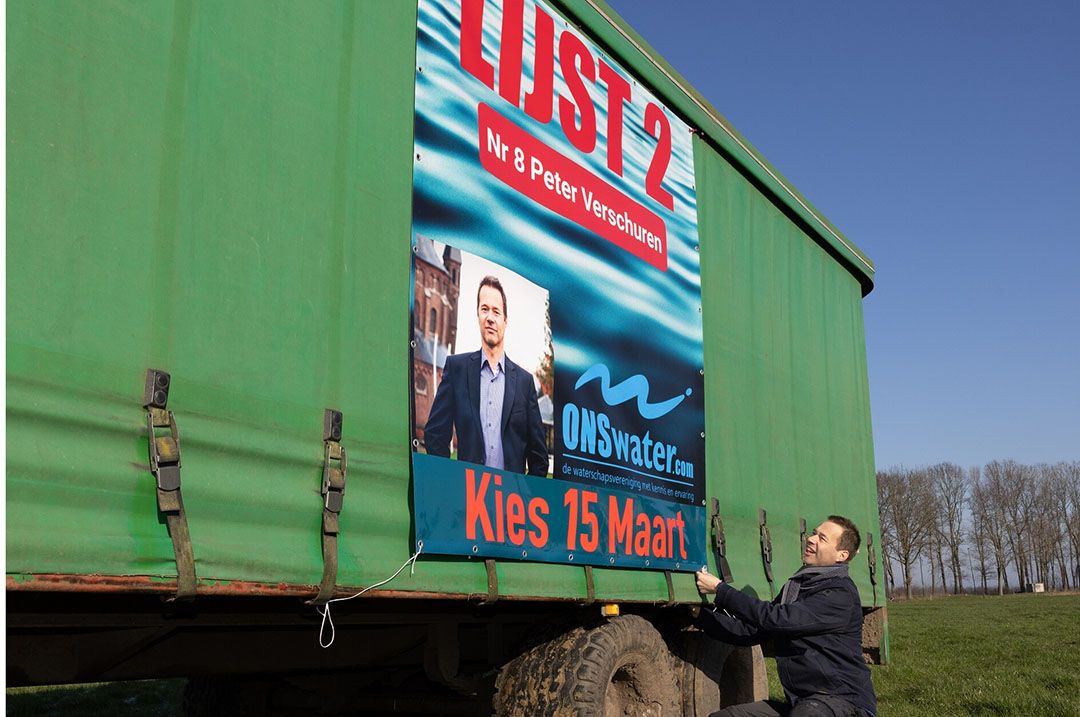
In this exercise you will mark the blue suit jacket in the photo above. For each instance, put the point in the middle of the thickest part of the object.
(457, 408)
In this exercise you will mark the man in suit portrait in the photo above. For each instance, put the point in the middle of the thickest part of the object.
(488, 400)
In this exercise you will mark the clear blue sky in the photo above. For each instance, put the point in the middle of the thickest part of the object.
(943, 138)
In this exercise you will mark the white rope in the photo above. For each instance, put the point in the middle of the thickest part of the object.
(325, 612)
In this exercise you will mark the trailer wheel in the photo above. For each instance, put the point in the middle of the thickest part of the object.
(619, 668)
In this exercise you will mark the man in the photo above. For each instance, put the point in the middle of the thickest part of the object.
(816, 627)
(488, 400)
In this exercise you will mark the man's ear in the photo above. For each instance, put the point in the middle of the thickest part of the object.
(846, 555)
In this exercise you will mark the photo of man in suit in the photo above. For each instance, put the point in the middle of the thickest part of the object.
(488, 400)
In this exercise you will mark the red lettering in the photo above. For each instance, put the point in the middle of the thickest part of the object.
(475, 507)
(538, 103)
(499, 536)
(654, 178)
(538, 507)
(472, 35)
(570, 501)
(515, 519)
(618, 92)
(659, 542)
(682, 533)
(577, 112)
(641, 540)
(510, 51)
(591, 541)
(620, 527)
(577, 63)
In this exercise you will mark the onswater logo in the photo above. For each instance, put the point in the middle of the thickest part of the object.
(634, 387)
(591, 436)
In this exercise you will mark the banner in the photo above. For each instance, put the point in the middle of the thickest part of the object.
(557, 384)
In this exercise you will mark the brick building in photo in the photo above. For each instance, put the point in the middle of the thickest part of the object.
(438, 283)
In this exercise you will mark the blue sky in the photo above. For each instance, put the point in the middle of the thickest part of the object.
(942, 138)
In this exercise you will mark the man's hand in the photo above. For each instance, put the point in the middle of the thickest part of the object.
(706, 583)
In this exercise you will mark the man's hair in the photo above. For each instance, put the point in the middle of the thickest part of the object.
(850, 540)
(494, 283)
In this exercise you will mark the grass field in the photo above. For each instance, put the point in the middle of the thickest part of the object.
(1012, 655)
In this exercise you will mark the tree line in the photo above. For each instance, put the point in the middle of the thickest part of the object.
(1003, 521)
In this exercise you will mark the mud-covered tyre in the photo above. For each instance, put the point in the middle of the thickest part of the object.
(622, 667)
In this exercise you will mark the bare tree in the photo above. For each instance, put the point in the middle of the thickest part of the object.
(888, 533)
(988, 507)
(1008, 485)
(1064, 488)
(978, 533)
(950, 489)
(1046, 530)
(904, 510)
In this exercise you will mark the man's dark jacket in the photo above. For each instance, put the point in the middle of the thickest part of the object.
(817, 638)
(457, 407)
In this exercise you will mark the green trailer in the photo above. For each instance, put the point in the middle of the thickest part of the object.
(224, 192)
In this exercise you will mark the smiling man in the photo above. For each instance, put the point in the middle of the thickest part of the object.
(816, 627)
(488, 400)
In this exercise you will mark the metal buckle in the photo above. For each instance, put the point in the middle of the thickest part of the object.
(164, 450)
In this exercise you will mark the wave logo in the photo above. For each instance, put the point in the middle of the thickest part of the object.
(634, 387)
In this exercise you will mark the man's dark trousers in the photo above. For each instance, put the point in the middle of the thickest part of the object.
(816, 706)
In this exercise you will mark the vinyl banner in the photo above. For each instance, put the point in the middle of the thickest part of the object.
(557, 384)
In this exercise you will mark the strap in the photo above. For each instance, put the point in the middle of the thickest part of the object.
(871, 557)
(335, 465)
(766, 550)
(720, 543)
(492, 582)
(163, 439)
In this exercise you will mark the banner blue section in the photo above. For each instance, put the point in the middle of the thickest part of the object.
(468, 509)
(556, 310)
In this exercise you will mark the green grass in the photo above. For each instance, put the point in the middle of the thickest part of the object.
(114, 699)
(1011, 655)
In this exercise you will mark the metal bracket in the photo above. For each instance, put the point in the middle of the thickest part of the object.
(670, 589)
(766, 550)
(720, 542)
(802, 536)
(164, 448)
(335, 464)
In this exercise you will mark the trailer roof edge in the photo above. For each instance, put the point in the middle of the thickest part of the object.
(638, 56)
